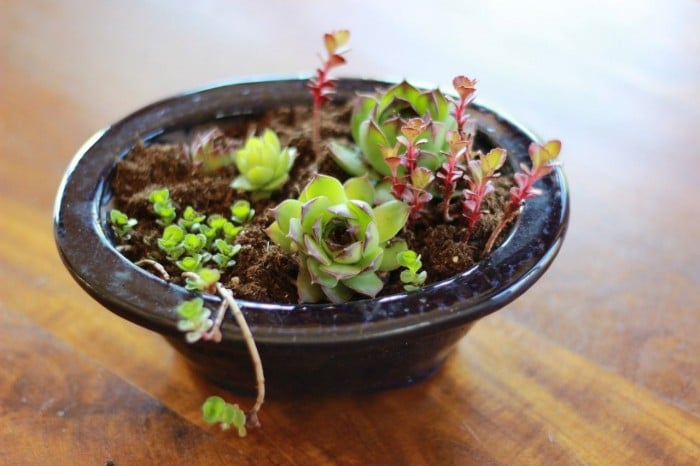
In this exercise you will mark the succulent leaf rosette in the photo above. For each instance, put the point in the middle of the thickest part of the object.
(263, 165)
(338, 239)
(377, 120)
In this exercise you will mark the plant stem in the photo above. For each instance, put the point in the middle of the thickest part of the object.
(316, 129)
(215, 333)
(508, 217)
(159, 268)
(446, 208)
(252, 415)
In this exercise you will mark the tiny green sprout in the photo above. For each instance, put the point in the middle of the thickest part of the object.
(194, 319)
(230, 231)
(225, 253)
(190, 263)
(163, 206)
(241, 213)
(217, 411)
(171, 242)
(191, 219)
(121, 224)
(263, 165)
(194, 244)
(202, 280)
(410, 276)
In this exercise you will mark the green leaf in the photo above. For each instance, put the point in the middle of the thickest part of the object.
(319, 276)
(493, 161)
(190, 263)
(213, 409)
(159, 196)
(190, 309)
(324, 186)
(349, 159)
(337, 294)
(390, 218)
(372, 139)
(389, 261)
(241, 212)
(360, 113)
(341, 271)
(279, 237)
(368, 284)
(307, 291)
(359, 188)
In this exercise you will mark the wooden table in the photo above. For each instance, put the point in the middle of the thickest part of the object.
(599, 363)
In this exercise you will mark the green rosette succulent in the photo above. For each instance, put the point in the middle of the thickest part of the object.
(339, 240)
(377, 120)
(263, 165)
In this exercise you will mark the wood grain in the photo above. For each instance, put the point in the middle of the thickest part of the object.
(597, 364)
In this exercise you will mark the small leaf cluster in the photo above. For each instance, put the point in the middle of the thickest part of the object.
(122, 224)
(410, 276)
(216, 410)
(163, 206)
(195, 319)
(197, 239)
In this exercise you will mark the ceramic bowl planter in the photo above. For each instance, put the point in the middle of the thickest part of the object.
(360, 345)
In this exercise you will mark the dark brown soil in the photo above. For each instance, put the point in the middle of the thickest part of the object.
(263, 272)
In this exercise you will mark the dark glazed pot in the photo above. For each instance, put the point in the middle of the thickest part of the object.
(362, 345)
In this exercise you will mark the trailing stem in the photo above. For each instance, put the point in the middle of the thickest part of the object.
(252, 415)
(157, 266)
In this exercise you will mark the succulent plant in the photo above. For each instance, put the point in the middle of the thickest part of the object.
(377, 120)
(212, 150)
(263, 165)
(338, 238)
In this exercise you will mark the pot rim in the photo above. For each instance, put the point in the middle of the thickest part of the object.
(89, 254)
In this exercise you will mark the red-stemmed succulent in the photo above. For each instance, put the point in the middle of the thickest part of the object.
(483, 168)
(409, 180)
(452, 170)
(543, 159)
(466, 89)
(322, 86)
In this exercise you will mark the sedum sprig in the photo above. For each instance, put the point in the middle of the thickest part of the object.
(483, 168)
(466, 89)
(410, 276)
(544, 159)
(217, 411)
(195, 320)
(321, 85)
(163, 206)
(452, 170)
(122, 224)
(241, 212)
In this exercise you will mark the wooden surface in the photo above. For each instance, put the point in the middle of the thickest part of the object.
(599, 363)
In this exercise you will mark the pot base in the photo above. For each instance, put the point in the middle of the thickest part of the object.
(293, 370)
